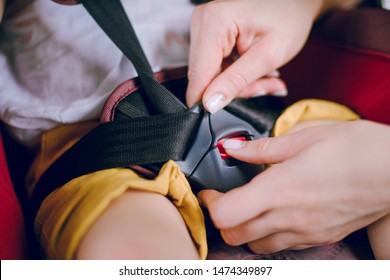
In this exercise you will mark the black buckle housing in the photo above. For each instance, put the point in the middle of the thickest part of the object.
(204, 166)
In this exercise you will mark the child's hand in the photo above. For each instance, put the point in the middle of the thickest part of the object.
(326, 182)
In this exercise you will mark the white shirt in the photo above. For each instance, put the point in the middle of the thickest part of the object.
(59, 67)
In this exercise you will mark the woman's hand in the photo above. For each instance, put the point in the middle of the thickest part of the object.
(327, 181)
(256, 37)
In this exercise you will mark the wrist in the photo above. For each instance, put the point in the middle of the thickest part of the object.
(315, 8)
(328, 5)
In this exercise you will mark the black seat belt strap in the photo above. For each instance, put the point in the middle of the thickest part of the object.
(112, 18)
(139, 140)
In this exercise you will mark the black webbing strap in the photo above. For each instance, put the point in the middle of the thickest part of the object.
(153, 139)
(112, 18)
(138, 140)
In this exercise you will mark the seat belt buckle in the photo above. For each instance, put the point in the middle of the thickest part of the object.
(206, 164)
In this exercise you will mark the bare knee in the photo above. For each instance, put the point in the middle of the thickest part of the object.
(138, 225)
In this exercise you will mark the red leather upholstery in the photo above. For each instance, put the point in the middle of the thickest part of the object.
(346, 61)
(357, 78)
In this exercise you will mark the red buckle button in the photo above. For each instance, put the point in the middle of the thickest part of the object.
(221, 149)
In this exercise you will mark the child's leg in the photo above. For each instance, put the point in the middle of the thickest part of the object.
(115, 213)
(138, 225)
(379, 235)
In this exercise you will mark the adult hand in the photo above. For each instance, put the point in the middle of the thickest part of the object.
(327, 181)
(263, 34)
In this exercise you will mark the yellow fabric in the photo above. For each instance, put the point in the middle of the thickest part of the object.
(68, 212)
(311, 109)
(53, 144)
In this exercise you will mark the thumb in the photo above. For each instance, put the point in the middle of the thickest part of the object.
(205, 52)
(210, 199)
(267, 150)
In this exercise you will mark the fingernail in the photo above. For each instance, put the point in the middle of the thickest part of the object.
(273, 74)
(233, 144)
(282, 92)
(215, 103)
(259, 93)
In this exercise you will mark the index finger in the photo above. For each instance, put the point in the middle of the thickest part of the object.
(205, 56)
